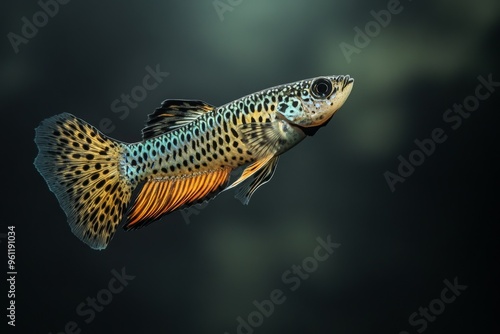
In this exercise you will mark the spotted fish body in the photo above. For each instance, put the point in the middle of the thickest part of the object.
(187, 154)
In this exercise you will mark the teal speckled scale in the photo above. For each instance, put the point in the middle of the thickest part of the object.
(187, 154)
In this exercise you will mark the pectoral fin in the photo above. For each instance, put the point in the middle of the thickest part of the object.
(263, 139)
(272, 138)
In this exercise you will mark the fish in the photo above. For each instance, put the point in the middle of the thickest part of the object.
(188, 153)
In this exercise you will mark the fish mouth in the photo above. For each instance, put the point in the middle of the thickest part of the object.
(344, 84)
(345, 81)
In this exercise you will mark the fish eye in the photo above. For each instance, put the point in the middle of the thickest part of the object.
(321, 88)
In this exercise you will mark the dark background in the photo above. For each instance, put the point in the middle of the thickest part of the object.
(397, 247)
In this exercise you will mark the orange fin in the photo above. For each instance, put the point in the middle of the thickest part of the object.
(251, 170)
(161, 196)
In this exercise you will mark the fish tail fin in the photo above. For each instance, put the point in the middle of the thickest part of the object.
(82, 168)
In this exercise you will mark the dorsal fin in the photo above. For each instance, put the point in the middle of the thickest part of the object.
(172, 115)
(161, 196)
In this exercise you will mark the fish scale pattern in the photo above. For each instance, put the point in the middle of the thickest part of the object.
(212, 141)
(187, 154)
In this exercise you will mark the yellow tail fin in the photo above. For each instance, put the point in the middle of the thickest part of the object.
(82, 168)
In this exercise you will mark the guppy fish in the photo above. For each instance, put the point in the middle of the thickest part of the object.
(187, 154)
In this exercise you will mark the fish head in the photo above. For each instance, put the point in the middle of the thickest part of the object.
(312, 103)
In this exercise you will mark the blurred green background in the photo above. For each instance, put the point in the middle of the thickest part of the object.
(396, 247)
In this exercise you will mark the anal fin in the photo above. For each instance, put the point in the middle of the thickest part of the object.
(164, 195)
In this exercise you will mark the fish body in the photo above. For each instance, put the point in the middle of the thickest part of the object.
(187, 154)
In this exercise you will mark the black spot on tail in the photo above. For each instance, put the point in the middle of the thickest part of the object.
(87, 182)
